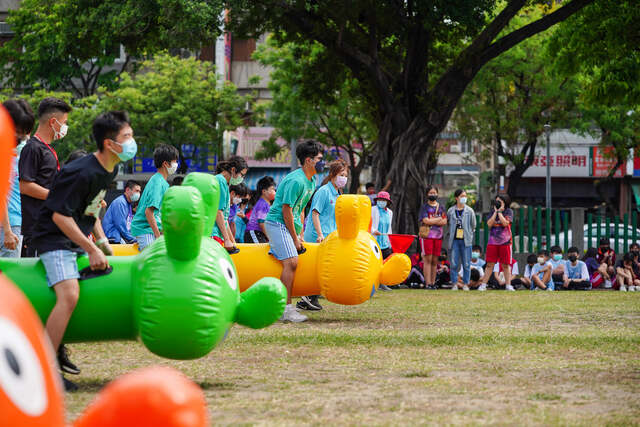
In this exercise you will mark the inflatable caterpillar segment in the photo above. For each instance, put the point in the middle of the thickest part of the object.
(347, 267)
(180, 295)
(30, 388)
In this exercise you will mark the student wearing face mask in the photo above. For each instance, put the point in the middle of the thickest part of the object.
(558, 272)
(255, 232)
(230, 172)
(237, 194)
(432, 218)
(499, 245)
(322, 220)
(146, 225)
(117, 221)
(39, 165)
(462, 225)
(381, 219)
(541, 273)
(576, 274)
(606, 258)
(10, 231)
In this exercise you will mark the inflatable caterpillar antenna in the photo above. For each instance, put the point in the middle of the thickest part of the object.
(180, 295)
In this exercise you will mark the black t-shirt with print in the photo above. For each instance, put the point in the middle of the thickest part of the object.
(37, 164)
(77, 191)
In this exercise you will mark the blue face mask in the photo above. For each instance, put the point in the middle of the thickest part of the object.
(129, 149)
(557, 257)
(236, 180)
(381, 204)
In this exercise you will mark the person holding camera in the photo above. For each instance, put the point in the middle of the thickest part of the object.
(499, 245)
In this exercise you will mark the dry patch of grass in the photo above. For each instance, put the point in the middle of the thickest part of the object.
(416, 357)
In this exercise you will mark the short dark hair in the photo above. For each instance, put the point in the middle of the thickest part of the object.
(240, 190)
(604, 241)
(431, 187)
(75, 155)
(264, 183)
(556, 249)
(634, 245)
(237, 162)
(177, 180)
(475, 275)
(627, 257)
(458, 192)
(573, 249)
(477, 248)
(107, 125)
(591, 253)
(543, 252)
(21, 114)
(131, 184)
(505, 198)
(52, 105)
(164, 153)
(369, 185)
(532, 259)
(307, 149)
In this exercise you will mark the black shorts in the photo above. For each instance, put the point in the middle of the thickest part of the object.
(255, 236)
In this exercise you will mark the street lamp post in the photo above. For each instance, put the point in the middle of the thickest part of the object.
(547, 132)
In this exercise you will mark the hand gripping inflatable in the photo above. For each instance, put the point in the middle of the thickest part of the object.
(346, 267)
(180, 295)
(31, 391)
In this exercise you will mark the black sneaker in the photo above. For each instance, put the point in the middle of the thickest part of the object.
(69, 385)
(306, 303)
(66, 365)
(314, 301)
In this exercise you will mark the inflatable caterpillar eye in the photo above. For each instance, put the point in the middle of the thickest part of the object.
(376, 249)
(21, 376)
(229, 273)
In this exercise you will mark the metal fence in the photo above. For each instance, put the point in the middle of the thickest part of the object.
(533, 228)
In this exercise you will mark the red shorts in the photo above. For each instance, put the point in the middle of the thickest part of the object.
(500, 254)
(431, 246)
(217, 239)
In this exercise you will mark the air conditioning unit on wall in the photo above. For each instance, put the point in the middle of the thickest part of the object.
(454, 148)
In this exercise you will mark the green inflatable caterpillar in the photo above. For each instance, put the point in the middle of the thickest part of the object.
(180, 295)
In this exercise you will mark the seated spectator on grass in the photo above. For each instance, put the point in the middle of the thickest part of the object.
(476, 260)
(558, 264)
(541, 273)
(497, 279)
(625, 277)
(476, 275)
(443, 268)
(576, 272)
(526, 277)
(606, 258)
(415, 280)
(595, 277)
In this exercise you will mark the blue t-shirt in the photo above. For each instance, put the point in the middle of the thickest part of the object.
(480, 263)
(241, 226)
(324, 202)
(384, 225)
(295, 190)
(538, 270)
(577, 272)
(117, 221)
(14, 207)
(223, 204)
(151, 197)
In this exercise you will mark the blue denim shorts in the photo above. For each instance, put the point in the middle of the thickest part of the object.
(145, 240)
(60, 265)
(282, 246)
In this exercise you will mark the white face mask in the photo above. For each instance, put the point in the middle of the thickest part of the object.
(173, 168)
(135, 197)
(237, 200)
(540, 260)
(62, 132)
(341, 181)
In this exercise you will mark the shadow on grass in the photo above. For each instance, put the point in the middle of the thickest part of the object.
(90, 385)
(218, 385)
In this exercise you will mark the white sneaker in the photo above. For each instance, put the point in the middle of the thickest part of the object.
(291, 315)
(623, 288)
(550, 289)
(632, 288)
(482, 287)
(509, 287)
(454, 287)
(608, 284)
(465, 287)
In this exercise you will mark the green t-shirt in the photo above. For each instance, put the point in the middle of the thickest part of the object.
(223, 205)
(151, 197)
(295, 190)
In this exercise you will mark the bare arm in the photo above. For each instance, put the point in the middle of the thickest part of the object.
(287, 215)
(492, 219)
(98, 233)
(68, 226)
(501, 218)
(315, 217)
(264, 230)
(34, 190)
(151, 219)
(10, 239)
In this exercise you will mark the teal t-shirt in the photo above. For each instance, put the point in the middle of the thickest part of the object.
(324, 201)
(223, 204)
(151, 197)
(295, 190)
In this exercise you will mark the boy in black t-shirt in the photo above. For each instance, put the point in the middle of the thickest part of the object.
(70, 213)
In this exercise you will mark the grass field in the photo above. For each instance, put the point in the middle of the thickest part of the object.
(416, 357)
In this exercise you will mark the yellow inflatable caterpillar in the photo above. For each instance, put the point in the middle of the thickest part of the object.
(346, 267)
